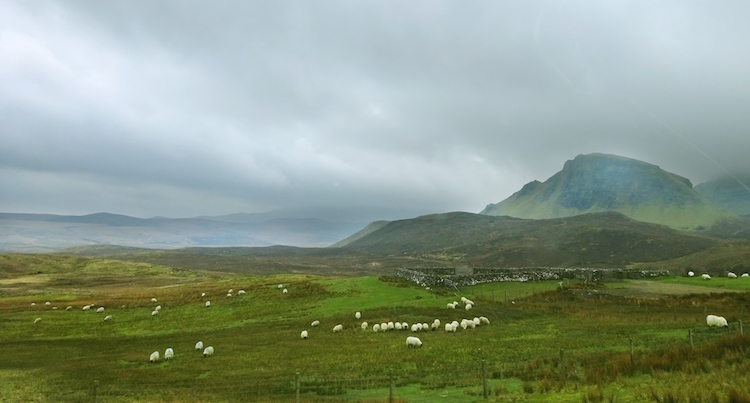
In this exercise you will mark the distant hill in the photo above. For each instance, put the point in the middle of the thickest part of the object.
(600, 182)
(600, 239)
(727, 193)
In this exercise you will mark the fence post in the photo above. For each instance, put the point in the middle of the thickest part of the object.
(485, 387)
(741, 332)
(390, 388)
(690, 333)
(506, 297)
(94, 391)
(632, 354)
(296, 385)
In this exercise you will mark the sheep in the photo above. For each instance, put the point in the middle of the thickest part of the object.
(154, 357)
(338, 328)
(37, 320)
(415, 328)
(108, 317)
(100, 309)
(468, 307)
(47, 303)
(364, 325)
(199, 346)
(412, 341)
(745, 275)
(436, 321)
(208, 304)
(384, 326)
(470, 324)
(231, 290)
(398, 326)
(404, 325)
(153, 299)
(705, 276)
(284, 291)
(731, 275)
(208, 351)
(203, 294)
(315, 323)
(391, 326)
(463, 300)
(280, 286)
(357, 315)
(450, 306)
(434, 326)
(33, 304)
(69, 307)
(691, 274)
(86, 307)
(718, 321)
(448, 327)
(229, 294)
(484, 320)
(240, 292)
(168, 354)
(376, 328)
(464, 324)
(158, 308)
(476, 321)
(54, 308)
(303, 334)
(154, 313)
(425, 326)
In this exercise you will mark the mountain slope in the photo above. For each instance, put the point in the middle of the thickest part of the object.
(601, 239)
(727, 193)
(599, 182)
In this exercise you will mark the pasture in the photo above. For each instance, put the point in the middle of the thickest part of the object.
(545, 343)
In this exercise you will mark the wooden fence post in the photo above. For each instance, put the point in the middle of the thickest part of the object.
(690, 333)
(296, 385)
(632, 354)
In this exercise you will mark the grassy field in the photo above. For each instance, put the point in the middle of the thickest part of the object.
(545, 342)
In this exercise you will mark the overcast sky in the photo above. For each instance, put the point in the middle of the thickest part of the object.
(183, 108)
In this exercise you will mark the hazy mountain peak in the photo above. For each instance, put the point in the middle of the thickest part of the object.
(601, 182)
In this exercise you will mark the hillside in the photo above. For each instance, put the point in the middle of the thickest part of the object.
(599, 182)
(727, 193)
(601, 239)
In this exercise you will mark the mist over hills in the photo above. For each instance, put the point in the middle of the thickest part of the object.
(728, 193)
(600, 182)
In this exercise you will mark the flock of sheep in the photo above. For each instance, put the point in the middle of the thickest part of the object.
(412, 341)
(708, 277)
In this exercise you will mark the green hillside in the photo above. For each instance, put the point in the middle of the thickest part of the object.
(728, 193)
(598, 182)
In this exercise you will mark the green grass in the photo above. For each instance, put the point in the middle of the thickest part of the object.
(739, 283)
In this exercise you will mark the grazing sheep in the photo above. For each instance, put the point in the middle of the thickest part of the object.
(108, 317)
(208, 351)
(412, 341)
(199, 346)
(47, 303)
(463, 300)
(383, 326)
(315, 323)
(229, 294)
(69, 307)
(745, 275)
(731, 275)
(364, 325)
(338, 328)
(280, 286)
(169, 354)
(376, 327)
(37, 320)
(476, 321)
(86, 307)
(414, 327)
(397, 326)
(154, 313)
(240, 292)
(208, 303)
(54, 308)
(153, 299)
(231, 290)
(464, 324)
(100, 309)
(303, 334)
(434, 326)
(284, 291)
(484, 320)
(448, 327)
(203, 294)
(691, 274)
(391, 326)
(154, 356)
(33, 304)
(158, 308)
(454, 326)
(468, 307)
(404, 325)
(718, 321)
(705, 276)
(357, 315)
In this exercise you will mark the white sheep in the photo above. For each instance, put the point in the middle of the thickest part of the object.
(338, 328)
(154, 356)
(208, 351)
(468, 307)
(705, 276)
(364, 325)
(398, 326)
(412, 341)
(357, 315)
(476, 321)
(231, 290)
(153, 299)
(229, 294)
(154, 313)
(745, 275)
(464, 324)
(450, 306)
(280, 286)
(208, 304)
(203, 294)
(415, 327)
(37, 320)
(383, 326)
(391, 326)
(434, 326)
(405, 326)
(425, 326)
(108, 317)
(463, 300)
(69, 307)
(731, 275)
(284, 291)
(315, 323)
(86, 307)
(158, 308)
(54, 308)
(718, 321)
(169, 354)
(691, 274)
(303, 334)
(448, 327)
(100, 309)
(33, 304)
(47, 303)
(199, 346)
(240, 292)
(376, 327)
(484, 320)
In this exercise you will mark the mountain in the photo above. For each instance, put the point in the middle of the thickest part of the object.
(48, 232)
(729, 193)
(597, 239)
(600, 182)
